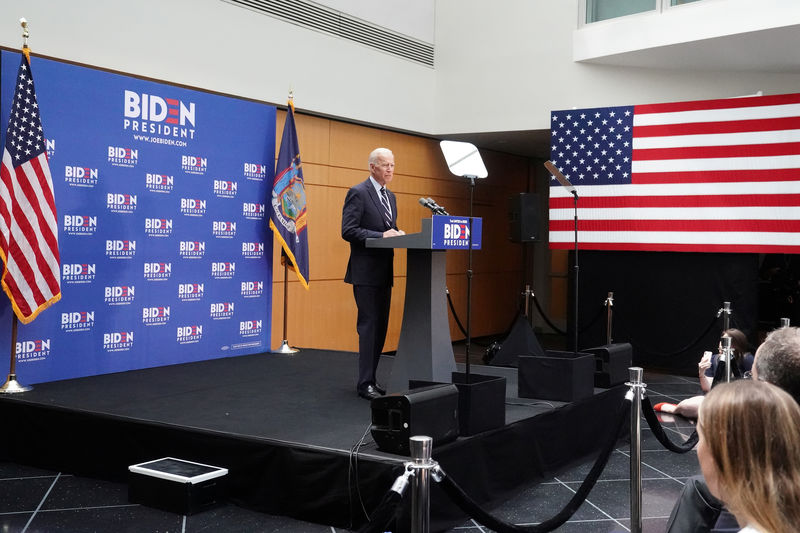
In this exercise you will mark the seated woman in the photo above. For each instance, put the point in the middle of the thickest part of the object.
(712, 373)
(749, 453)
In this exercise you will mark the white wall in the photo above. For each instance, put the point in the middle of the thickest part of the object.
(505, 69)
(214, 45)
(499, 65)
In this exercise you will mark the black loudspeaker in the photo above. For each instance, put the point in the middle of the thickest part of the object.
(430, 411)
(523, 217)
(611, 364)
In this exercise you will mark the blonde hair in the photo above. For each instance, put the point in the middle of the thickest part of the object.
(752, 432)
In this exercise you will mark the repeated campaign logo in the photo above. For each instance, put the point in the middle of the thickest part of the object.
(80, 224)
(192, 249)
(155, 316)
(158, 227)
(189, 334)
(192, 164)
(225, 189)
(250, 328)
(75, 176)
(252, 289)
(77, 321)
(156, 271)
(151, 114)
(72, 273)
(120, 156)
(50, 147)
(120, 249)
(121, 203)
(118, 341)
(191, 292)
(33, 350)
(253, 211)
(161, 183)
(193, 207)
(223, 229)
(255, 171)
(119, 294)
(223, 269)
(253, 250)
(221, 311)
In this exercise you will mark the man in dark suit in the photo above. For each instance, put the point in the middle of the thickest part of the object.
(370, 211)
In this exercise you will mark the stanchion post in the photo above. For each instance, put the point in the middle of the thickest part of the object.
(422, 464)
(726, 315)
(609, 316)
(635, 395)
(727, 356)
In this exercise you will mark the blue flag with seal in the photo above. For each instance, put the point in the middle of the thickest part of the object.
(288, 217)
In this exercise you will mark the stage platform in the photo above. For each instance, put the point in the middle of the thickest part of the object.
(286, 427)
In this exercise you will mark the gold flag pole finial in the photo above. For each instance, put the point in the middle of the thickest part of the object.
(25, 35)
(291, 98)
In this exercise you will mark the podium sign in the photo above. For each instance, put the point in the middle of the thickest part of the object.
(452, 233)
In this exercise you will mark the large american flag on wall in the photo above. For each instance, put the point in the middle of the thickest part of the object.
(702, 176)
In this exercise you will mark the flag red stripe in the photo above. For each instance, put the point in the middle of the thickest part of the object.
(783, 226)
(647, 247)
(704, 128)
(708, 152)
(716, 176)
(727, 103)
(744, 200)
(19, 301)
(49, 200)
(33, 237)
(28, 275)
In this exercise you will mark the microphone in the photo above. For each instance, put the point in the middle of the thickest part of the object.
(437, 209)
(430, 204)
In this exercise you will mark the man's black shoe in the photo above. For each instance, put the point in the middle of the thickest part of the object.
(380, 389)
(369, 392)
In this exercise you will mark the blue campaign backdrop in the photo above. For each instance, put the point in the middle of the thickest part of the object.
(165, 247)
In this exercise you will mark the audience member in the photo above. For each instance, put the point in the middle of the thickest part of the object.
(749, 453)
(777, 361)
(712, 373)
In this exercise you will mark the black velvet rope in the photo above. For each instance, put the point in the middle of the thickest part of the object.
(593, 320)
(686, 348)
(469, 506)
(661, 435)
(545, 318)
(464, 331)
(387, 510)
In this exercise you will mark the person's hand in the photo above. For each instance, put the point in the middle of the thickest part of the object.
(705, 362)
(393, 233)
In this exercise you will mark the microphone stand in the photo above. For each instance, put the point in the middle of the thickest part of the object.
(567, 185)
(575, 317)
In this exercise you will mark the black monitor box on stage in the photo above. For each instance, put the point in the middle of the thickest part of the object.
(176, 485)
(431, 411)
(611, 364)
(560, 376)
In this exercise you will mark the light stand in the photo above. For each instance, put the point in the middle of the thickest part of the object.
(464, 160)
(565, 182)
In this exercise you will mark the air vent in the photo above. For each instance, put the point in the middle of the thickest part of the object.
(320, 18)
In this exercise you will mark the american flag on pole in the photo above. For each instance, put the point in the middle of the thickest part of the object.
(701, 176)
(28, 229)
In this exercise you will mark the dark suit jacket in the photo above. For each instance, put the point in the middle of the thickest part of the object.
(362, 218)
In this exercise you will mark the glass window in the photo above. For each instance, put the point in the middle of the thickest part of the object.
(597, 10)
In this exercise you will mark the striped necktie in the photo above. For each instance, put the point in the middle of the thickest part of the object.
(387, 211)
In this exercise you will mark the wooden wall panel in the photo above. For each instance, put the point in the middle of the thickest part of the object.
(334, 158)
